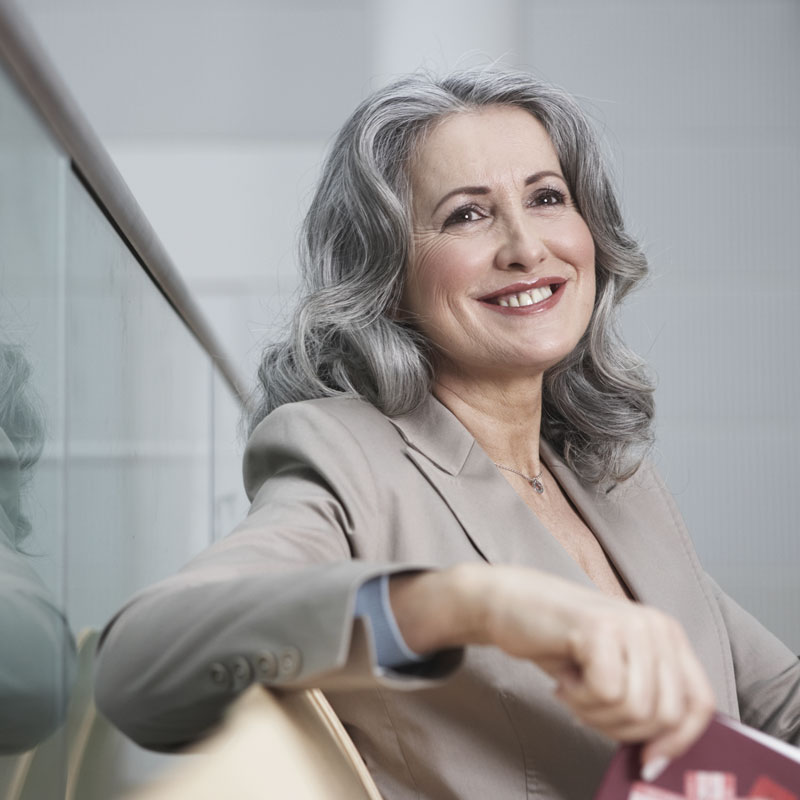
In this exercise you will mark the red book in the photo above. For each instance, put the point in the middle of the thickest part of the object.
(728, 762)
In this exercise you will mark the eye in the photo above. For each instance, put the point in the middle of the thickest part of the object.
(462, 215)
(548, 196)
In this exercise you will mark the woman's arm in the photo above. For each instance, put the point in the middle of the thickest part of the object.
(271, 603)
(623, 668)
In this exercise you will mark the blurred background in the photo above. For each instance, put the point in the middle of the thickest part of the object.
(218, 114)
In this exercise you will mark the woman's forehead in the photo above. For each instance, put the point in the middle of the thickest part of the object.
(484, 146)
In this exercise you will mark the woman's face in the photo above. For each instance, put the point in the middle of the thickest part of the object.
(502, 273)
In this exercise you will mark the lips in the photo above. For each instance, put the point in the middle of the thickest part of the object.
(522, 295)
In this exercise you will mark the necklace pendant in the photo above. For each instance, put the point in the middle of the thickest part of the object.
(537, 485)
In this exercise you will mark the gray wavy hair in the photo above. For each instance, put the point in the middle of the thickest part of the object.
(344, 339)
(22, 422)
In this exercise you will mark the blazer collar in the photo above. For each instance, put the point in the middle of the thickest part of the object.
(498, 523)
(433, 430)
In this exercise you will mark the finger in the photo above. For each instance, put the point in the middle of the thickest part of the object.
(662, 710)
(619, 682)
(642, 687)
(671, 696)
(626, 724)
(696, 707)
(600, 675)
(676, 742)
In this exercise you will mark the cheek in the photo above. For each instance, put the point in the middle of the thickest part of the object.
(580, 251)
(580, 243)
(436, 271)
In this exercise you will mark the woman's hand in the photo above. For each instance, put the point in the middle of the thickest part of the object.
(624, 669)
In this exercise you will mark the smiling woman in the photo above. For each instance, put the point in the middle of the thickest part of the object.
(449, 485)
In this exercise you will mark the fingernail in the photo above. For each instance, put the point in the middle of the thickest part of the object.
(654, 767)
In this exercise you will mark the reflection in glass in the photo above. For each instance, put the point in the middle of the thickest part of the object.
(37, 645)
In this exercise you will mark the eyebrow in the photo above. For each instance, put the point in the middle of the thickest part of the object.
(480, 190)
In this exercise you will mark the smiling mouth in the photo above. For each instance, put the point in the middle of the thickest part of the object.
(525, 297)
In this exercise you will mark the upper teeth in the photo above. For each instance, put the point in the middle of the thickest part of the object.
(525, 298)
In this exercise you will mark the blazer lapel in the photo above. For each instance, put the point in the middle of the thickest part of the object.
(617, 531)
(637, 532)
(498, 523)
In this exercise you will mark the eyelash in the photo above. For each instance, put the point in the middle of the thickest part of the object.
(544, 193)
(457, 217)
(551, 191)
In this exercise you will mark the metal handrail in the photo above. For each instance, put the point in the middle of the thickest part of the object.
(28, 64)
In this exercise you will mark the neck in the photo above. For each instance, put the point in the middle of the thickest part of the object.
(504, 417)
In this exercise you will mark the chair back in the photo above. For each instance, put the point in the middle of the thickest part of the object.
(272, 744)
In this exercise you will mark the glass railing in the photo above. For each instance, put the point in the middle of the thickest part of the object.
(118, 453)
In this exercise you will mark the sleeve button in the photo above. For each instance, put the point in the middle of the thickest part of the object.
(267, 666)
(219, 675)
(289, 662)
(241, 672)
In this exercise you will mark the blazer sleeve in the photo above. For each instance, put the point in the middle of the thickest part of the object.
(273, 602)
(767, 673)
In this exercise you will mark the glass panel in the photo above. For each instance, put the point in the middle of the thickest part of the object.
(110, 417)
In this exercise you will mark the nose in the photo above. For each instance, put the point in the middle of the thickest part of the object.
(521, 246)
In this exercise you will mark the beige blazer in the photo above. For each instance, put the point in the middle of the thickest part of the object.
(341, 493)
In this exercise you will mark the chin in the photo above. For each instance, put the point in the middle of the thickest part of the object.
(547, 357)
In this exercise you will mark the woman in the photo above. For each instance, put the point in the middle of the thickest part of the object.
(453, 409)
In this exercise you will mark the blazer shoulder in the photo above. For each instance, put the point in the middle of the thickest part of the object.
(327, 434)
(349, 412)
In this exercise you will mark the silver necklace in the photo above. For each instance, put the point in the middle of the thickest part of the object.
(535, 481)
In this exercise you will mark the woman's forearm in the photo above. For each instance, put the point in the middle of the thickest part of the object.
(440, 609)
